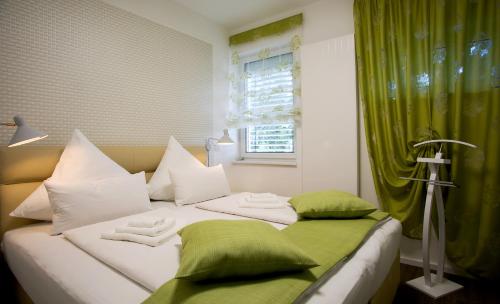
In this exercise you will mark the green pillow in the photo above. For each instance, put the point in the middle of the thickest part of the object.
(330, 204)
(218, 249)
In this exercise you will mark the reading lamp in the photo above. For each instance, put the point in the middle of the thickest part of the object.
(211, 143)
(24, 133)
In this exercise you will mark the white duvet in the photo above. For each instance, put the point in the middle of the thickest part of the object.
(149, 266)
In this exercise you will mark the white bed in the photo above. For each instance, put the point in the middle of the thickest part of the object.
(53, 270)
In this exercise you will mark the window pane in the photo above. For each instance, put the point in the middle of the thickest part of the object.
(277, 138)
(269, 84)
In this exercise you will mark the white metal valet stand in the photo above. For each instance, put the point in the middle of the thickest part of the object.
(435, 285)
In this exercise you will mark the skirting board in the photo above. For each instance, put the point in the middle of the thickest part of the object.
(417, 262)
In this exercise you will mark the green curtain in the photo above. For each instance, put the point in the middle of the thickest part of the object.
(431, 69)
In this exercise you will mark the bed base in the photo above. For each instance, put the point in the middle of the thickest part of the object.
(384, 295)
(21, 296)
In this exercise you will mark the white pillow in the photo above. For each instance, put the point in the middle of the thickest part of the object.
(83, 203)
(199, 184)
(80, 160)
(175, 158)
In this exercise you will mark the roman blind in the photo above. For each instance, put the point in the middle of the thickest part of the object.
(265, 87)
(265, 81)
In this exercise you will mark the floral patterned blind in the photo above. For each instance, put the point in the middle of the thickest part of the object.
(265, 80)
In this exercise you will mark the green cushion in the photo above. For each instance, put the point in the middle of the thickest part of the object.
(218, 249)
(330, 204)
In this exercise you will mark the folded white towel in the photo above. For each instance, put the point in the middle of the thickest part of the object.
(153, 231)
(141, 239)
(146, 221)
(244, 203)
(266, 195)
(262, 200)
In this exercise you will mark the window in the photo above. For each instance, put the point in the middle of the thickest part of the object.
(276, 138)
(269, 85)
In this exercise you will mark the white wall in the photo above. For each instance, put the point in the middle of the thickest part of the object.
(329, 115)
(323, 20)
(92, 66)
(182, 19)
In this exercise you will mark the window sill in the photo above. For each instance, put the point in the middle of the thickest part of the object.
(267, 162)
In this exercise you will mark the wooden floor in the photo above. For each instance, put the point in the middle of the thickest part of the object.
(474, 291)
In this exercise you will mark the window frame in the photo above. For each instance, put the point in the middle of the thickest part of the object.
(243, 131)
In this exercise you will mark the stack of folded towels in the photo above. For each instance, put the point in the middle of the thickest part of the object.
(147, 230)
(262, 200)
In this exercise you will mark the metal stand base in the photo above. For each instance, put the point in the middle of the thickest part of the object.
(436, 290)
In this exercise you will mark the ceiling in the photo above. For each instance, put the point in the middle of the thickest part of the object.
(233, 14)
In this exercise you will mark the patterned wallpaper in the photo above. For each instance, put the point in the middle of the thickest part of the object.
(118, 77)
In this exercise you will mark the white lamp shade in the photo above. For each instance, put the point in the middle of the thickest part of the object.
(225, 139)
(24, 134)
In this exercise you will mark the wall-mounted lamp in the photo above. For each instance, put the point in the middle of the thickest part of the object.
(212, 142)
(24, 133)
(225, 139)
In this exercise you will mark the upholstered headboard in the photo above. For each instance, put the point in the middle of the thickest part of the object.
(22, 169)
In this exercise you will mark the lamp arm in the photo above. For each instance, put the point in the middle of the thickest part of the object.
(210, 143)
(8, 124)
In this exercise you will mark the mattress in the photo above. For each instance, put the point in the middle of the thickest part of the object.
(53, 270)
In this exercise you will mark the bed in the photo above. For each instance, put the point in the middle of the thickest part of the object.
(53, 270)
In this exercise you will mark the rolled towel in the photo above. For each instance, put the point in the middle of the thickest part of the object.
(146, 221)
(276, 204)
(266, 195)
(153, 231)
(140, 239)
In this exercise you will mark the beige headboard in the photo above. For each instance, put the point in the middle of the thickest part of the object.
(23, 168)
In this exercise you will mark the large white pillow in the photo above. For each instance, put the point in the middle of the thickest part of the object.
(175, 158)
(199, 184)
(80, 160)
(77, 204)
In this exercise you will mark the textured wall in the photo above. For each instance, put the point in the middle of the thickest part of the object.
(120, 78)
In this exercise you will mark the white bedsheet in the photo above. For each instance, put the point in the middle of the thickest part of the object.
(52, 270)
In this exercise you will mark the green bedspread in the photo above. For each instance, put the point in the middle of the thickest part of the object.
(326, 241)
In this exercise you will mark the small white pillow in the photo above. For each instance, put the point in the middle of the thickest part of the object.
(83, 203)
(200, 184)
(80, 160)
(175, 158)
